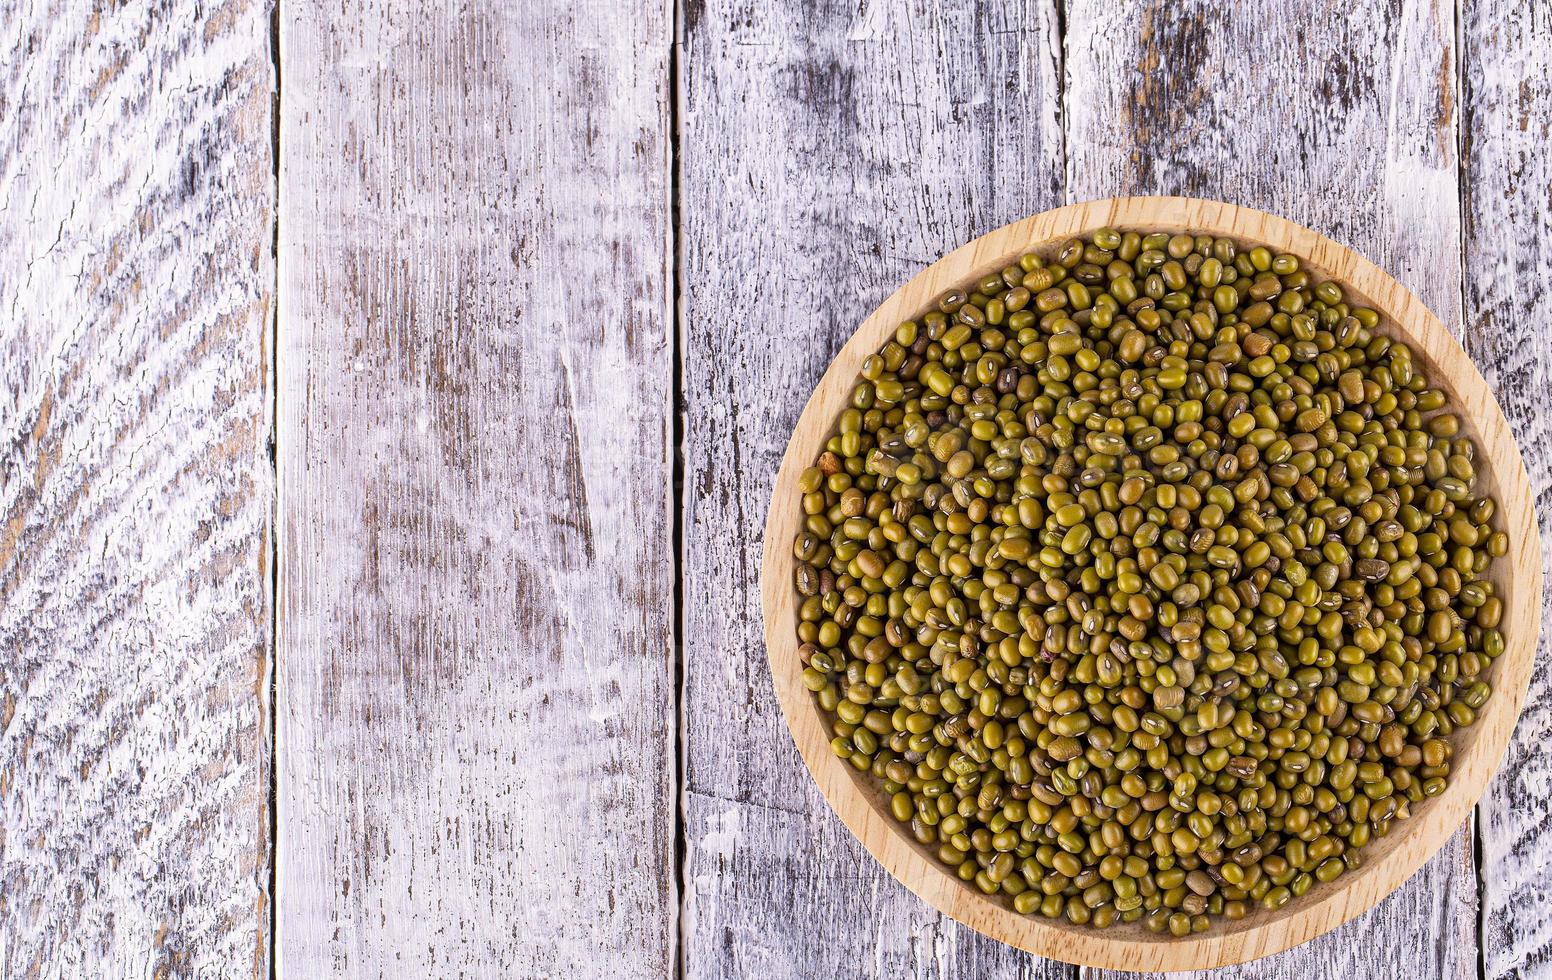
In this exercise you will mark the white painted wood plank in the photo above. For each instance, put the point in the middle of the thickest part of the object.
(136, 290)
(1507, 56)
(1345, 123)
(476, 699)
(827, 155)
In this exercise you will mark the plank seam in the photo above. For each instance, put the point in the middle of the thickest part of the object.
(1063, 89)
(271, 687)
(679, 967)
(1462, 192)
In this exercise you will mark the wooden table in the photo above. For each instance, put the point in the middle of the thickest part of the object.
(392, 392)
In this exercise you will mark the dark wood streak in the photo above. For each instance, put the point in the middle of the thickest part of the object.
(136, 290)
(828, 153)
(1507, 92)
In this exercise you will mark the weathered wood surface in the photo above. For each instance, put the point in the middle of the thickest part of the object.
(475, 705)
(136, 290)
(827, 155)
(476, 738)
(1188, 98)
(1507, 94)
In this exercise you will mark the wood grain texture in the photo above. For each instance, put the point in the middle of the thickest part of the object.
(828, 153)
(1344, 123)
(475, 719)
(1507, 89)
(1388, 861)
(136, 214)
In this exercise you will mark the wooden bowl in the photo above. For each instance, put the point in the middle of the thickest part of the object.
(1391, 860)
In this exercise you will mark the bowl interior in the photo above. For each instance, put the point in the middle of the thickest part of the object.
(1389, 860)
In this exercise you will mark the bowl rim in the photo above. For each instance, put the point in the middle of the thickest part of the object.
(1518, 577)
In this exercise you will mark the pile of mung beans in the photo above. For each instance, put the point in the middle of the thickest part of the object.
(1147, 579)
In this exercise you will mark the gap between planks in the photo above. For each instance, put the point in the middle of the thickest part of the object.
(271, 686)
(674, 259)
